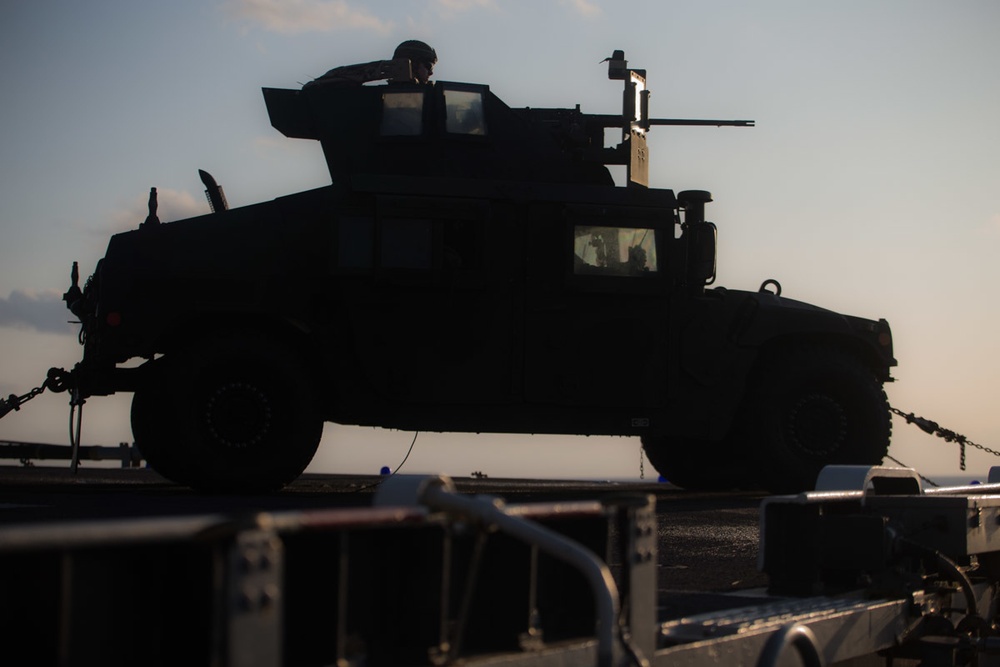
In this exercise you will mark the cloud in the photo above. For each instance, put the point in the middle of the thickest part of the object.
(292, 17)
(448, 8)
(43, 311)
(171, 205)
(587, 8)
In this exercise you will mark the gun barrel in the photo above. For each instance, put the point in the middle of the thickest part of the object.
(688, 121)
(609, 120)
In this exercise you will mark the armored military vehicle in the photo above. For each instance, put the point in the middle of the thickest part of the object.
(472, 267)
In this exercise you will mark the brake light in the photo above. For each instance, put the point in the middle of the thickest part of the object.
(113, 319)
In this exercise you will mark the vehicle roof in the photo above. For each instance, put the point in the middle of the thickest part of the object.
(352, 124)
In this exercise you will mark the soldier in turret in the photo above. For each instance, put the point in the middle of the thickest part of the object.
(412, 60)
(422, 58)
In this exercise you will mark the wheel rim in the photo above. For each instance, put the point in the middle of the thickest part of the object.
(238, 416)
(817, 425)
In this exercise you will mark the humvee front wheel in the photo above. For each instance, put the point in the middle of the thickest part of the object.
(698, 465)
(815, 406)
(231, 414)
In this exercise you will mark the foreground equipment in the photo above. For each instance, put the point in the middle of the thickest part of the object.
(427, 576)
(473, 268)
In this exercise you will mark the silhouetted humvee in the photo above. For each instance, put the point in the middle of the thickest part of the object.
(472, 267)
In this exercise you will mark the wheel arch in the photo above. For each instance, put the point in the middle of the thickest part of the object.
(298, 337)
(749, 364)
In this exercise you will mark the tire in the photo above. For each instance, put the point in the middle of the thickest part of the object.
(228, 414)
(698, 465)
(159, 454)
(816, 406)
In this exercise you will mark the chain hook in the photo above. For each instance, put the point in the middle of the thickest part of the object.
(56, 380)
(14, 402)
(947, 435)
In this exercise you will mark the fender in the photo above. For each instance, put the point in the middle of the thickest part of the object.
(722, 334)
(774, 319)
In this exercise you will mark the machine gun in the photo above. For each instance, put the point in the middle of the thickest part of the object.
(583, 134)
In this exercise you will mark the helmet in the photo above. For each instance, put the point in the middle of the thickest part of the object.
(416, 51)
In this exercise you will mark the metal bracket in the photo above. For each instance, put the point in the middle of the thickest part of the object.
(254, 565)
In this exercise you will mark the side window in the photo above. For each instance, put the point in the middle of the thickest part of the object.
(424, 240)
(355, 243)
(454, 246)
(402, 114)
(406, 244)
(614, 251)
(464, 112)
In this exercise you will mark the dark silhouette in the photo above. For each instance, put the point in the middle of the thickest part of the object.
(412, 61)
(472, 267)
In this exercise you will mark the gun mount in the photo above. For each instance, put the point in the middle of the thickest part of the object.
(565, 141)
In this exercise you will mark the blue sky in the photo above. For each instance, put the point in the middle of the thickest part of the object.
(871, 184)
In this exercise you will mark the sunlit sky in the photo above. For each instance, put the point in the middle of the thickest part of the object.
(871, 184)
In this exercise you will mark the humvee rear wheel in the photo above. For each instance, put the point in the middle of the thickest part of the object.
(229, 414)
(816, 406)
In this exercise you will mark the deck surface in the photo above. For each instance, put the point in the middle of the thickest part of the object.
(707, 542)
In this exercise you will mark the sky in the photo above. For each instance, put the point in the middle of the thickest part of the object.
(870, 184)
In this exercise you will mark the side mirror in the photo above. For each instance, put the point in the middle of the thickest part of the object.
(702, 253)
